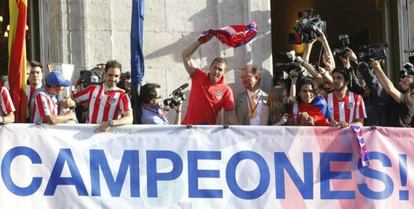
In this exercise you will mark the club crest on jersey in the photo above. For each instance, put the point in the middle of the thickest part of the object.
(350, 105)
(219, 94)
(112, 100)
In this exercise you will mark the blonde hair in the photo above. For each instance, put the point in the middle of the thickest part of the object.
(275, 102)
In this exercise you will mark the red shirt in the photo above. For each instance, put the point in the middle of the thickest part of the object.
(207, 99)
(6, 103)
(347, 110)
(103, 105)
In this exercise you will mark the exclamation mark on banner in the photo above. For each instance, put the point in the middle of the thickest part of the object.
(404, 195)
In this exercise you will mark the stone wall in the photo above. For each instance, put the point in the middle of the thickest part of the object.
(85, 33)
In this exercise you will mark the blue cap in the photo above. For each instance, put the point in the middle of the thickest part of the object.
(56, 78)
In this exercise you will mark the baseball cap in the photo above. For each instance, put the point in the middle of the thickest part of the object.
(56, 78)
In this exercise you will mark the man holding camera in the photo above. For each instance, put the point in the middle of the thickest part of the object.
(252, 106)
(152, 111)
(209, 94)
(108, 105)
(404, 98)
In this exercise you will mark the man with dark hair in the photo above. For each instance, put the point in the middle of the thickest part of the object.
(108, 104)
(47, 103)
(35, 82)
(405, 99)
(252, 108)
(345, 107)
(152, 111)
(209, 94)
(309, 108)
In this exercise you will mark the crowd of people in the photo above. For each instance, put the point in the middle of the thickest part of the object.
(341, 92)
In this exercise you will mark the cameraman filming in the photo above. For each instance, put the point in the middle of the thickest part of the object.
(152, 110)
(405, 99)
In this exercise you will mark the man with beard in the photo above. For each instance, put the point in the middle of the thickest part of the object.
(345, 107)
(404, 98)
(108, 104)
(209, 93)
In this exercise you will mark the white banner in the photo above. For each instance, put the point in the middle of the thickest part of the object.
(174, 167)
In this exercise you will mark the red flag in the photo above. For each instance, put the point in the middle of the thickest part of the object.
(233, 35)
(17, 57)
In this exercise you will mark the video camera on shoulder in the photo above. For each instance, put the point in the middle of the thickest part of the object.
(374, 51)
(176, 97)
(344, 45)
(289, 68)
(306, 27)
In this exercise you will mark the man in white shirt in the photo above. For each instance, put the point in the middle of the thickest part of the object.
(252, 108)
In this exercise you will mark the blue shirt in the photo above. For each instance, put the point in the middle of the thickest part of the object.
(153, 115)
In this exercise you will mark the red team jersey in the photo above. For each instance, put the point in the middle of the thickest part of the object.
(44, 104)
(5, 102)
(207, 99)
(103, 105)
(347, 110)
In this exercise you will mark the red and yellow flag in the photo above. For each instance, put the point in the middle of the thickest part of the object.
(17, 57)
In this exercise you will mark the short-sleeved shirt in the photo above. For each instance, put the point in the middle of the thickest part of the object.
(104, 105)
(406, 112)
(207, 99)
(153, 115)
(348, 109)
(5, 102)
(44, 104)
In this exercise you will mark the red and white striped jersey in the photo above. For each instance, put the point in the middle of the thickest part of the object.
(103, 105)
(30, 90)
(44, 104)
(5, 102)
(347, 110)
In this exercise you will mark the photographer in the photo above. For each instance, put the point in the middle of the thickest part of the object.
(320, 36)
(152, 111)
(375, 97)
(348, 60)
(405, 99)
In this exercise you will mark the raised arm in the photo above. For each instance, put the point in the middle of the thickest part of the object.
(310, 69)
(322, 38)
(186, 55)
(385, 82)
(307, 51)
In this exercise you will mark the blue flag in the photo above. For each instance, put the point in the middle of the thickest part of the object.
(137, 57)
